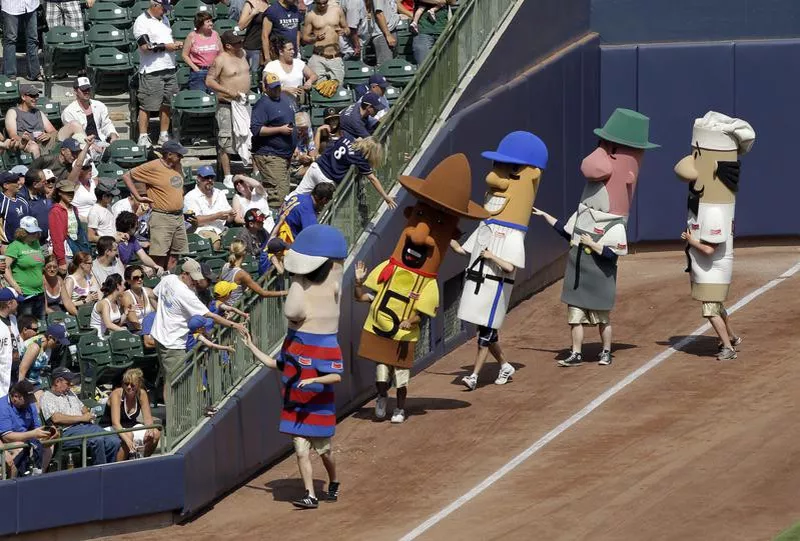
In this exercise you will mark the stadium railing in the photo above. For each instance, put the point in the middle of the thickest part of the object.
(83, 439)
(208, 376)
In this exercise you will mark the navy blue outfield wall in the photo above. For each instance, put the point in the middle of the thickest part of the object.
(677, 82)
(646, 21)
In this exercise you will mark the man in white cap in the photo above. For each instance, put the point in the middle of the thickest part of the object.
(712, 171)
(177, 303)
(91, 115)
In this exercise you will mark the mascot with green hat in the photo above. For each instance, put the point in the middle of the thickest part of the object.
(597, 230)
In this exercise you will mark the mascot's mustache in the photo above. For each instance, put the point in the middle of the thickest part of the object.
(694, 198)
(728, 174)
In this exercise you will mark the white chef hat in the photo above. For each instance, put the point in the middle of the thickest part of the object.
(716, 131)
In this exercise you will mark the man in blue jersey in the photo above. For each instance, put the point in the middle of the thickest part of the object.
(354, 120)
(281, 19)
(300, 211)
(274, 139)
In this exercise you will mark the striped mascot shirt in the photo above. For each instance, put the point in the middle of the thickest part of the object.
(309, 411)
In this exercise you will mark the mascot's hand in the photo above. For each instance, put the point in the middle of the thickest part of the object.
(687, 236)
(361, 272)
(406, 324)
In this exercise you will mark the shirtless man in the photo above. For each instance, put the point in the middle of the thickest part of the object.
(323, 27)
(229, 77)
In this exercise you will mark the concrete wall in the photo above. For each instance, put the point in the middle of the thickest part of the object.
(675, 83)
(644, 21)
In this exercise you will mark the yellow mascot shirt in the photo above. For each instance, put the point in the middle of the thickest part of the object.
(397, 297)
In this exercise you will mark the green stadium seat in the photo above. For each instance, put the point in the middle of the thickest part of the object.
(109, 70)
(215, 264)
(185, 10)
(110, 170)
(126, 153)
(182, 75)
(85, 317)
(356, 73)
(69, 321)
(223, 23)
(404, 48)
(51, 109)
(306, 51)
(105, 35)
(127, 347)
(250, 265)
(109, 13)
(228, 236)
(139, 7)
(398, 72)
(391, 94)
(341, 98)
(151, 282)
(181, 29)
(9, 94)
(199, 246)
(64, 51)
(97, 364)
(193, 113)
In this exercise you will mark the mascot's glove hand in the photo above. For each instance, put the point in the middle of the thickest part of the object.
(327, 88)
(360, 273)
(406, 324)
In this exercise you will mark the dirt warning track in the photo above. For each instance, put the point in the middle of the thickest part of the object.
(691, 449)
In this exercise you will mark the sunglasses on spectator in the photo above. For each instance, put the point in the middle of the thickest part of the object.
(208, 178)
(136, 276)
(35, 328)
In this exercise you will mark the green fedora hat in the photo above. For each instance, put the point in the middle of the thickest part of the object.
(628, 128)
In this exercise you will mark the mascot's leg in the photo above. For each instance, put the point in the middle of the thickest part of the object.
(506, 370)
(333, 481)
(576, 357)
(302, 448)
(718, 318)
(605, 337)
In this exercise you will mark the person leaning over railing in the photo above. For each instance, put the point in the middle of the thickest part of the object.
(128, 404)
(233, 272)
(366, 154)
(62, 408)
(177, 303)
(19, 423)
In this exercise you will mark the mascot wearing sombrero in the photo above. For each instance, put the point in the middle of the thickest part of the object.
(405, 285)
(597, 231)
(497, 246)
(310, 360)
(712, 171)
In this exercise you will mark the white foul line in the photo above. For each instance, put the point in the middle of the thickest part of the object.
(590, 407)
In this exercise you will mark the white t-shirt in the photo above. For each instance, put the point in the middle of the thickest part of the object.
(257, 201)
(714, 225)
(293, 78)
(176, 305)
(594, 221)
(121, 206)
(158, 32)
(197, 202)
(6, 358)
(84, 199)
(100, 272)
(102, 219)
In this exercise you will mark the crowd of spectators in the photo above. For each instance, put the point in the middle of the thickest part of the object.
(121, 251)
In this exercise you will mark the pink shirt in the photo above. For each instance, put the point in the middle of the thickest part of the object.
(204, 49)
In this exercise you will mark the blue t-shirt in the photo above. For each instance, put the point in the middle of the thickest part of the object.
(285, 21)
(299, 213)
(128, 249)
(351, 122)
(14, 420)
(273, 113)
(39, 208)
(338, 157)
(147, 323)
(12, 211)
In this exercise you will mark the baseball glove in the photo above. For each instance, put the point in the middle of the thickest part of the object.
(327, 88)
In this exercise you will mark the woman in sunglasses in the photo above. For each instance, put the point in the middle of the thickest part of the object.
(80, 285)
(137, 300)
(130, 407)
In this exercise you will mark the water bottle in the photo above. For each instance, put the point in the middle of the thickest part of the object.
(70, 464)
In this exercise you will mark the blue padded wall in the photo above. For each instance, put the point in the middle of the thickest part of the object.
(677, 82)
(642, 21)
(141, 497)
(9, 503)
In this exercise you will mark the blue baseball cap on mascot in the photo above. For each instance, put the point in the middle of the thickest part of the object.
(313, 247)
(521, 148)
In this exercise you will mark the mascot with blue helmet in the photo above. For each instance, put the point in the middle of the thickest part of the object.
(497, 247)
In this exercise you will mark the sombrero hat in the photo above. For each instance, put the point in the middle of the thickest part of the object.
(448, 187)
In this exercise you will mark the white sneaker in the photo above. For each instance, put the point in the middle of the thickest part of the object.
(144, 141)
(470, 381)
(380, 407)
(506, 371)
(163, 138)
(398, 416)
(228, 182)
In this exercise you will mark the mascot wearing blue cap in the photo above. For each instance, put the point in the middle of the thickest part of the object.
(310, 360)
(497, 247)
